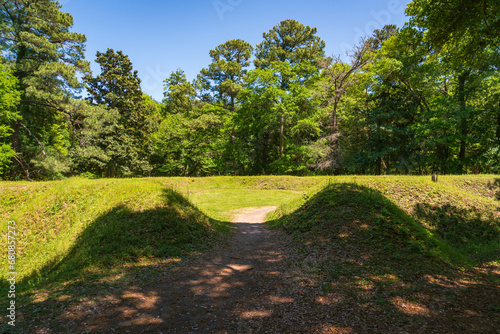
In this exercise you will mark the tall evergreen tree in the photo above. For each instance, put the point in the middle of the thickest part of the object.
(118, 88)
(45, 57)
(222, 81)
(179, 94)
(9, 99)
(289, 41)
(224, 75)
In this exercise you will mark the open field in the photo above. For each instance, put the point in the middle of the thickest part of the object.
(404, 248)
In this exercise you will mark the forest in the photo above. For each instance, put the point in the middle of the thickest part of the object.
(419, 99)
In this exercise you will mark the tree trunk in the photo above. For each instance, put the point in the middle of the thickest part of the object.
(334, 139)
(443, 154)
(195, 169)
(233, 138)
(282, 134)
(464, 128)
(232, 104)
(498, 125)
(378, 168)
(233, 152)
(15, 146)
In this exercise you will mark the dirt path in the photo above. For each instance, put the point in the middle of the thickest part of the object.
(228, 290)
(240, 287)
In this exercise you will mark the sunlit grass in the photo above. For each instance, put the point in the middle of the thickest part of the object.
(461, 225)
(51, 216)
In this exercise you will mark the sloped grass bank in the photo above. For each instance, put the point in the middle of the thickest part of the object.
(398, 254)
(67, 228)
(456, 225)
(487, 186)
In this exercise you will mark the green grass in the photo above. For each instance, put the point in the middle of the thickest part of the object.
(444, 220)
(66, 228)
(378, 243)
(221, 196)
(367, 239)
(78, 226)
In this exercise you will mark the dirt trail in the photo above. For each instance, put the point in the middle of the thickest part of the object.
(231, 289)
(239, 287)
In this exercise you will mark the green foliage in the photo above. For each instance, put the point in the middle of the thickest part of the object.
(36, 37)
(45, 57)
(277, 139)
(289, 41)
(424, 111)
(415, 100)
(188, 138)
(468, 34)
(9, 98)
(222, 79)
(95, 145)
(126, 151)
(179, 94)
(185, 143)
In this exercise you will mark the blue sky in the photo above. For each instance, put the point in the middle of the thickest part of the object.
(161, 36)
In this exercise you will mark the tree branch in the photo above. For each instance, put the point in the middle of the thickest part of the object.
(24, 169)
(48, 105)
(39, 143)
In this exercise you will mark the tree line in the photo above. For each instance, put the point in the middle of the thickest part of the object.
(424, 98)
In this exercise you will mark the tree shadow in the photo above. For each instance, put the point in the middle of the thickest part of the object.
(354, 263)
(374, 261)
(495, 187)
(125, 235)
(468, 230)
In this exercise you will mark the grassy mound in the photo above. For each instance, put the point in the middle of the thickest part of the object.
(392, 254)
(487, 186)
(370, 233)
(67, 228)
(404, 216)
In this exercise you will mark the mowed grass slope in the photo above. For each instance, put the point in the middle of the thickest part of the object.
(447, 218)
(66, 228)
(400, 252)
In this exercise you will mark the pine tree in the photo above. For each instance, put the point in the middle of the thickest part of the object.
(45, 57)
(118, 87)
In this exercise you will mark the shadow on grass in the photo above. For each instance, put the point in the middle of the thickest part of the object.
(495, 187)
(358, 264)
(476, 234)
(125, 236)
(373, 260)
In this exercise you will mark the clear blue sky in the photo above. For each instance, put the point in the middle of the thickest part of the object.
(160, 36)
